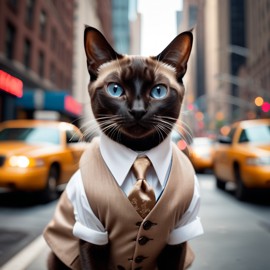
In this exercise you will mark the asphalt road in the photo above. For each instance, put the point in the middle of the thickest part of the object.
(237, 234)
(22, 219)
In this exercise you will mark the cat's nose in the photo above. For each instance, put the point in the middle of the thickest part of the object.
(138, 109)
(137, 113)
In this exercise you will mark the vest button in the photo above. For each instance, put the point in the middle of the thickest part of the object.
(143, 240)
(148, 224)
(139, 259)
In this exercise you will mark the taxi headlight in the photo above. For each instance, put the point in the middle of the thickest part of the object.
(24, 162)
(205, 155)
(258, 161)
(201, 154)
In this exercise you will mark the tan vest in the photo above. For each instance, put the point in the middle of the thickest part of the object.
(134, 242)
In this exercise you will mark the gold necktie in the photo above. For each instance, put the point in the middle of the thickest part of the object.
(142, 196)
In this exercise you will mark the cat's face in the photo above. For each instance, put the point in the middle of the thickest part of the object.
(136, 100)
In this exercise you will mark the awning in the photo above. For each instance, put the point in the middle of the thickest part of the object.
(52, 101)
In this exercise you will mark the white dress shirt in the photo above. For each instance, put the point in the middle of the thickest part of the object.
(119, 160)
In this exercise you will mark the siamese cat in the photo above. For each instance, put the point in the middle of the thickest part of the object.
(136, 102)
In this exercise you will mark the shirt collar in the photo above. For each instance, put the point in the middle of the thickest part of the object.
(119, 158)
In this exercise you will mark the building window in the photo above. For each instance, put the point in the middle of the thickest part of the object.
(10, 40)
(53, 73)
(27, 53)
(60, 80)
(42, 24)
(53, 39)
(41, 63)
(30, 6)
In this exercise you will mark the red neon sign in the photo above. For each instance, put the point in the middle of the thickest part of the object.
(11, 84)
(71, 105)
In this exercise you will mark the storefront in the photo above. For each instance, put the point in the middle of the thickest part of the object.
(56, 105)
(18, 102)
(11, 88)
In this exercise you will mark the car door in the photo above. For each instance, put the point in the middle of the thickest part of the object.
(223, 157)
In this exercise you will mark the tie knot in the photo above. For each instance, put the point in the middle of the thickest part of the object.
(140, 167)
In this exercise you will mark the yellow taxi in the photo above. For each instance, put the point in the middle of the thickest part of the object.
(243, 157)
(201, 153)
(38, 155)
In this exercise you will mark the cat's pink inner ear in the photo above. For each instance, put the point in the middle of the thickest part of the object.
(185, 48)
(88, 48)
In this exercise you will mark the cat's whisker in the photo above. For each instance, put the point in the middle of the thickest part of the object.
(113, 131)
(184, 138)
(166, 123)
(184, 135)
(182, 125)
(179, 126)
(167, 117)
(179, 123)
(164, 128)
(112, 117)
(188, 132)
(88, 123)
(118, 135)
(108, 126)
(160, 134)
(91, 132)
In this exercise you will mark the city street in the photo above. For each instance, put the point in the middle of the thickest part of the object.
(237, 234)
(135, 73)
(21, 221)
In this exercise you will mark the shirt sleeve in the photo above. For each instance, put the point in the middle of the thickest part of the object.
(189, 226)
(87, 226)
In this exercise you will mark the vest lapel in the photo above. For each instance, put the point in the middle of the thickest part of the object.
(178, 184)
(92, 164)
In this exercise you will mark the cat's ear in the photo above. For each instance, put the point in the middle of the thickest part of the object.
(98, 50)
(177, 53)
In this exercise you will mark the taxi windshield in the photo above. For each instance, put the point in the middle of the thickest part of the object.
(256, 134)
(31, 135)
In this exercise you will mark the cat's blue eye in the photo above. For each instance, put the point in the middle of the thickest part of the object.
(115, 90)
(159, 92)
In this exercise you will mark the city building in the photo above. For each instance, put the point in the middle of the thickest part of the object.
(86, 12)
(192, 18)
(42, 58)
(120, 26)
(36, 48)
(135, 23)
(229, 67)
(256, 71)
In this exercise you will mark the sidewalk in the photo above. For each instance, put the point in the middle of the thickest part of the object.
(32, 257)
